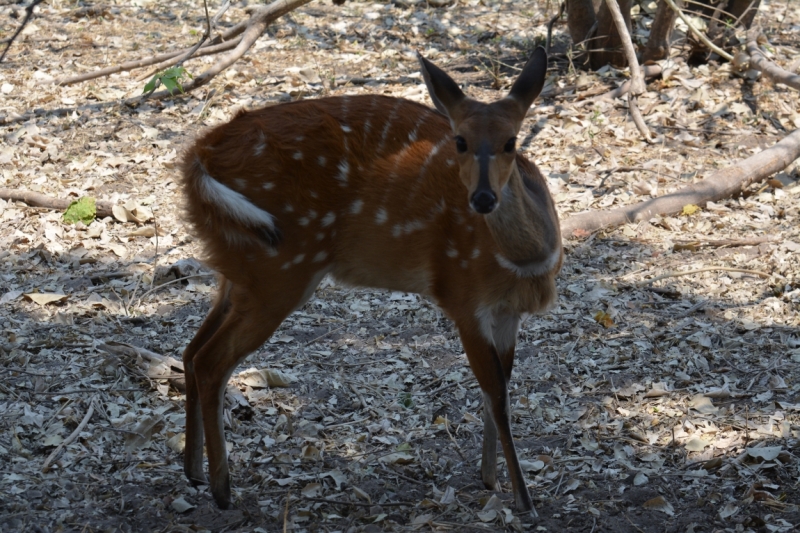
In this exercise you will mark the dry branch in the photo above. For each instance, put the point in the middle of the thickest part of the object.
(261, 17)
(160, 59)
(637, 79)
(697, 33)
(35, 199)
(723, 183)
(759, 62)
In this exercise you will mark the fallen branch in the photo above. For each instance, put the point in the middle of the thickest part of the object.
(161, 60)
(252, 29)
(758, 61)
(35, 199)
(723, 183)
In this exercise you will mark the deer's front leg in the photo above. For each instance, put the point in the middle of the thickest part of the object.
(489, 369)
(503, 328)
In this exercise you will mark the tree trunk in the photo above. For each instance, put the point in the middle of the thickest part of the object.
(580, 19)
(590, 25)
(657, 46)
(607, 47)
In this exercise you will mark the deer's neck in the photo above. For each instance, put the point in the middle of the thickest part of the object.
(525, 227)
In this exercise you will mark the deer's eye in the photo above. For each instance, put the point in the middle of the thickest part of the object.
(510, 146)
(461, 144)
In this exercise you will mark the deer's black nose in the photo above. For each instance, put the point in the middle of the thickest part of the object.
(483, 201)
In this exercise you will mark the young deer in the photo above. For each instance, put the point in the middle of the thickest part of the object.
(379, 192)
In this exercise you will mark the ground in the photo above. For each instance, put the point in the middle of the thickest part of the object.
(644, 400)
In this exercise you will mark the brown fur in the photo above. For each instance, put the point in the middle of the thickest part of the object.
(430, 242)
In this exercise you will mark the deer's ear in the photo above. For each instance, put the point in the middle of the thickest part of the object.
(531, 80)
(443, 90)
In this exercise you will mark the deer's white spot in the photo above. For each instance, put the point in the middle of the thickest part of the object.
(320, 257)
(381, 216)
(321, 160)
(452, 252)
(346, 129)
(320, 236)
(312, 214)
(267, 185)
(298, 259)
(288, 208)
(355, 207)
(344, 170)
(303, 221)
(328, 219)
(298, 155)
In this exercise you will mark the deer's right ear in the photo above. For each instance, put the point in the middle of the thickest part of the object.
(443, 90)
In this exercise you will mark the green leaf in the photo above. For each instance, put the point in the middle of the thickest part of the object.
(171, 78)
(151, 85)
(171, 84)
(83, 210)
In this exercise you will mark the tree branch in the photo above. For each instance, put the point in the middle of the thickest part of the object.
(260, 19)
(637, 79)
(758, 61)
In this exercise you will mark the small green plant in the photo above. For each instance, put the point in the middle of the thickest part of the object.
(81, 210)
(170, 78)
(406, 400)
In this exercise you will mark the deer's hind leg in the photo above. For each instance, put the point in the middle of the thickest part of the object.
(193, 452)
(240, 322)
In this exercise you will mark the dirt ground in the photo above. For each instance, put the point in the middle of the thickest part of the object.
(647, 400)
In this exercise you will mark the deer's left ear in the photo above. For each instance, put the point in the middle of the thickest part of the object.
(443, 90)
(530, 81)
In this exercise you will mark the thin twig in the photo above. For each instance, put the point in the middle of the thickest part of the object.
(358, 504)
(401, 476)
(550, 27)
(170, 282)
(678, 273)
(74, 435)
(458, 448)
(28, 15)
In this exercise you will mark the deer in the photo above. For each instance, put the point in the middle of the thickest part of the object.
(378, 192)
